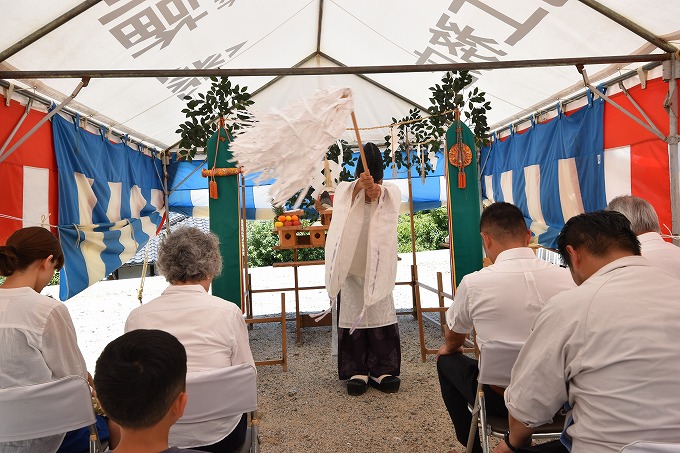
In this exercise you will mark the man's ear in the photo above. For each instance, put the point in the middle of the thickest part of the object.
(486, 240)
(574, 256)
(178, 405)
(528, 237)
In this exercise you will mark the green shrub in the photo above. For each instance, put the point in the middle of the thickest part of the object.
(54, 281)
(431, 229)
(261, 242)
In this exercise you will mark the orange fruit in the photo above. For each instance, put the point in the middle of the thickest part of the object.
(281, 218)
(294, 218)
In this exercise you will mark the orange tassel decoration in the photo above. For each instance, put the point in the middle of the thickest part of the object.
(462, 180)
(212, 186)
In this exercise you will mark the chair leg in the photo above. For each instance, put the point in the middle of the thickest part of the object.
(475, 421)
(95, 445)
(255, 433)
(482, 415)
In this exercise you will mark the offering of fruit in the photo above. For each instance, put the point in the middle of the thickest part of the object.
(289, 218)
(281, 218)
(294, 218)
(278, 224)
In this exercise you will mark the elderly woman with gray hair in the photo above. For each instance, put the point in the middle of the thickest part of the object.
(211, 329)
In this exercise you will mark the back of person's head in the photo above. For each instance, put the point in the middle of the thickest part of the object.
(640, 213)
(374, 160)
(26, 246)
(139, 375)
(504, 222)
(598, 233)
(189, 255)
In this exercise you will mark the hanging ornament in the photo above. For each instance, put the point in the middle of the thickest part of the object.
(460, 154)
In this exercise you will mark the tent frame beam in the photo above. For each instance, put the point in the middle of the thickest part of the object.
(44, 30)
(498, 129)
(672, 104)
(318, 33)
(630, 25)
(597, 93)
(376, 84)
(46, 118)
(330, 70)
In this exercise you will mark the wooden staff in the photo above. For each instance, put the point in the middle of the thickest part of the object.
(361, 147)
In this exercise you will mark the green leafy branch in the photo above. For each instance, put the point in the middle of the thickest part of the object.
(222, 100)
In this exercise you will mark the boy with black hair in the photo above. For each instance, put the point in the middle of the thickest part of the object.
(140, 379)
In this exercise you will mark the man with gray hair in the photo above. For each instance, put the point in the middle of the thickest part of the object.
(645, 224)
(211, 329)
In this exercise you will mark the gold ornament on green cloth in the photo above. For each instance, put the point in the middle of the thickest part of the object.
(460, 154)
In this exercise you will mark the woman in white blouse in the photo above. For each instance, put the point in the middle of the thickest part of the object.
(37, 337)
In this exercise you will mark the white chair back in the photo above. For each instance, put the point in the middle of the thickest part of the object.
(651, 447)
(220, 393)
(41, 410)
(497, 358)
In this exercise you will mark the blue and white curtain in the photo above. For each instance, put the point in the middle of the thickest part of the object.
(110, 203)
(551, 171)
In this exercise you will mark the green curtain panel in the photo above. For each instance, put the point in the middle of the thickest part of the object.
(224, 220)
(465, 209)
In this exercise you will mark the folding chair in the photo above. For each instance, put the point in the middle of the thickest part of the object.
(495, 365)
(650, 447)
(41, 410)
(220, 393)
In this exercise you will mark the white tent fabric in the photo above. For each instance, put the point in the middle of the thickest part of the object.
(171, 34)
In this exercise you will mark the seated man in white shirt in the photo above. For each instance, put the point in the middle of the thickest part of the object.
(500, 302)
(211, 329)
(645, 224)
(609, 347)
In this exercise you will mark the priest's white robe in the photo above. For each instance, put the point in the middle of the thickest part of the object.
(361, 256)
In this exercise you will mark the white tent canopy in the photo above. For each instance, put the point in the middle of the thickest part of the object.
(231, 34)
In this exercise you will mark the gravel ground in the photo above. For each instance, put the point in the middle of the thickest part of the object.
(307, 407)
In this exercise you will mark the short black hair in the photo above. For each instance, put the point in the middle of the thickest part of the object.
(503, 221)
(374, 160)
(139, 375)
(598, 233)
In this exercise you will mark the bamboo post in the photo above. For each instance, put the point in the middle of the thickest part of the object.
(440, 297)
(249, 299)
(419, 316)
(284, 353)
(414, 274)
(298, 316)
(243, 239)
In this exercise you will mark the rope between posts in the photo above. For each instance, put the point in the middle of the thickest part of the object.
(401, 123)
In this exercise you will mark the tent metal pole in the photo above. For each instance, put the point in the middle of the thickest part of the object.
(376, 84)
(46, 118)
(42, 31)
(608, 100)
(29, 104)
(673, 138)
(639, 109)
(630, 25)
(166, 194)
(318, 33)
(330, 70)
(498, 127)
